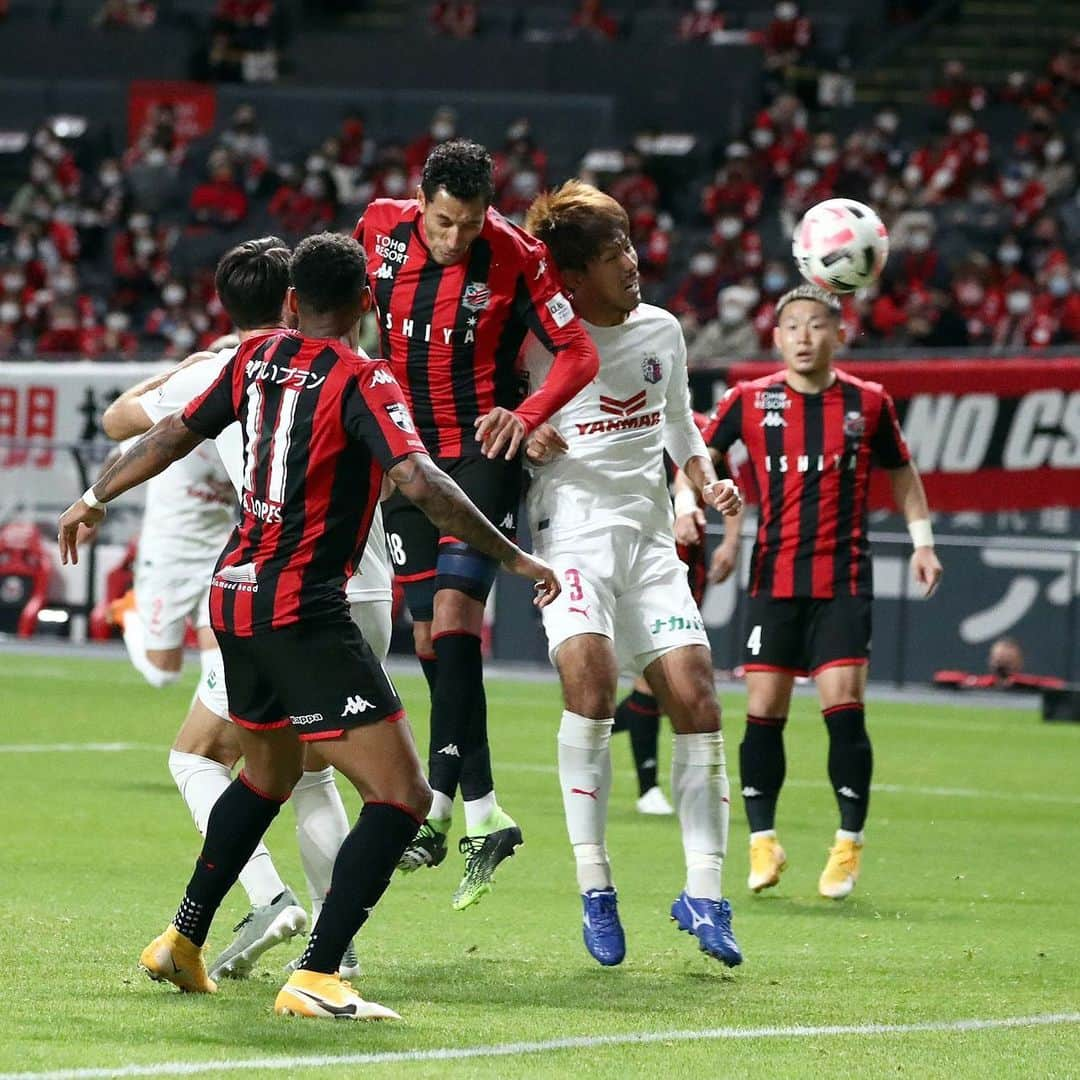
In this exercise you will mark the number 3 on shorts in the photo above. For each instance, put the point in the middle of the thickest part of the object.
(753, 642)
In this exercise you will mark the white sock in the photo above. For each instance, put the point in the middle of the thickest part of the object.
(442, 806)
(201, 781)
(585, 779)
(764, 834)
(321, 828)
(135, 642)
(699, 784)
(477, 811)
(846, 834)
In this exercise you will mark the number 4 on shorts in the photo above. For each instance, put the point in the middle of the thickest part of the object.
(753, 642)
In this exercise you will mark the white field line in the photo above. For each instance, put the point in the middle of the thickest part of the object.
(550, 770)
(582, 1042)
(890, 789)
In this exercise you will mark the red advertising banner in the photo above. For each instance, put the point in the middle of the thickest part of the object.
(195, 105)
(985, 434)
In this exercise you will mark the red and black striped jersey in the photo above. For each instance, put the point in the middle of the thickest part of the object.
(452, 334)
(320, 425)
(811, 456)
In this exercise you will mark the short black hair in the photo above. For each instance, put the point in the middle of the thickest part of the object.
(463, 168)
(328, 271)
(251, 280)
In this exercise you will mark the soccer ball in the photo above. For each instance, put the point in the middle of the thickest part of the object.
(841, 245)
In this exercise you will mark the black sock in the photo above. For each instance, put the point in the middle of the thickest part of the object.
(639, 714)
(476, 781)
(361, 875)
(762, 767)
(458, 710)
(430, 666)
(851, 763)
(235, 826)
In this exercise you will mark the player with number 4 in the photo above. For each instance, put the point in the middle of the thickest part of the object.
(813, 433)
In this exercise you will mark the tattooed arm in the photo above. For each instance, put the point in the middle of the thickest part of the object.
(167, 441)
(422, 482)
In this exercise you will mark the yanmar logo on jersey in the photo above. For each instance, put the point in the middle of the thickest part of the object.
(622, 406)
(625, 423)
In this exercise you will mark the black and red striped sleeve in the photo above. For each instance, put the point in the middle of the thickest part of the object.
(214, 409)
(888, 444)
(725, 426)
(374, 412)
(541, 304)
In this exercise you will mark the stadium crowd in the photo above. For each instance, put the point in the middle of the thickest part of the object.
(98, 257)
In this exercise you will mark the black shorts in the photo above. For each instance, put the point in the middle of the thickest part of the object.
(320, 677)
(413, 540)
(803, 636)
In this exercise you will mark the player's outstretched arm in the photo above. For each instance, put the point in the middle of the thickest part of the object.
(125, 417)
(421, 481)
(910, 497)
(167, 441)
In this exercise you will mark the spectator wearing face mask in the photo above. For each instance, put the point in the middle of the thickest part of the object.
(779, 135)
(694, 301)
(774, 283)
(979, 303)
(1023, 192)
(731, 334)
(732, 192)
(14, 338)
(170, 313)
(1056, 171)
(787, 36)
(701, 22)
(1057, 281)
(518, 194)
(1011, 264)
(219, 202)
(443, 127)
(738, 249)
(650, 233)
(114, 338)
(633, 188)
(139, 258)
(803, 189)
(957, 91)
(454, 19)
(311, 207)
(1024, 324)
(63, 334)
(886, 136)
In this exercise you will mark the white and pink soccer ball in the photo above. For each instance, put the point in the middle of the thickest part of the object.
(841, 245)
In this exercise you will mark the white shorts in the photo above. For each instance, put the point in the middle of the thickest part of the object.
(627, 587)
(372, 616)
(167, 594)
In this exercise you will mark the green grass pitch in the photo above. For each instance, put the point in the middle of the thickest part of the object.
(967, 908)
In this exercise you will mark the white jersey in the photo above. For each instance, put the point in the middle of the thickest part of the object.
(372, 579)
(618, 428)
(190, 507)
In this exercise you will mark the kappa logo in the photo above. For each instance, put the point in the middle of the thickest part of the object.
(308, 718)
(450, 750)
(382, 377)
(773, 419)
(400, 416)
(507, 522)
(541, 269)
(750, 792)
(476, 296)
(847, 792)
(354, 706)
(651, 368)
(384, 273)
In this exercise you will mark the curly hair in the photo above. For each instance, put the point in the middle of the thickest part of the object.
(328, 271)
(463, 168)
(576, 221)
(251, 280)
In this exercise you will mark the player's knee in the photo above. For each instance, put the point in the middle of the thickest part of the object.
(697, 714)
(847, 724)
(591, 701)
(410, 791)
(422, 638)
(463, 568)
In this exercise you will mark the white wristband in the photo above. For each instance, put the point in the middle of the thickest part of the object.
(921, 532)
(91, 499)
(685, 502)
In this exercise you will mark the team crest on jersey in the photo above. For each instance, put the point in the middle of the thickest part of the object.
(400, 415)
(476, 296)
(854, 425)
(651, 368)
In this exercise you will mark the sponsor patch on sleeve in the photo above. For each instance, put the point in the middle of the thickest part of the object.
(560, 310)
